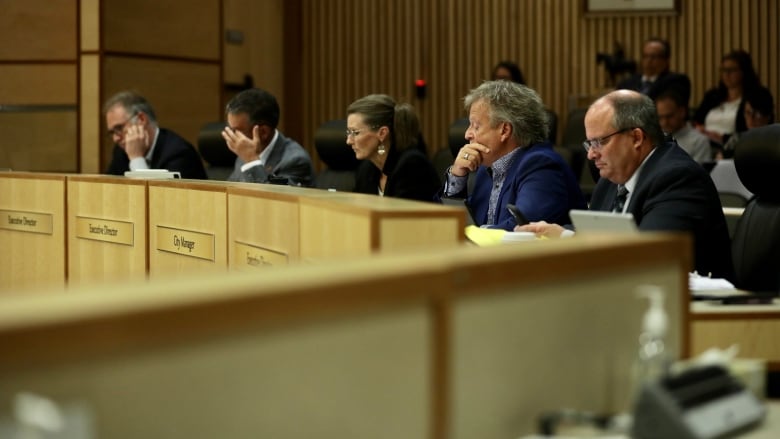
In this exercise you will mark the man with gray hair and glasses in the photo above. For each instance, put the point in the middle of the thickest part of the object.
(651, 177)
(139, 143)
(514, 164)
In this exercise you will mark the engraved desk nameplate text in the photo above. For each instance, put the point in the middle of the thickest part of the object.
(27, 222)
(186, 242)
(247, 256)
(101, 229)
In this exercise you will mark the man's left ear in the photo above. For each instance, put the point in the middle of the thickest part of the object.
(506, 131)
(639, 137)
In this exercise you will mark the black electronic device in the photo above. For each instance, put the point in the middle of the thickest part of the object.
(701, 403)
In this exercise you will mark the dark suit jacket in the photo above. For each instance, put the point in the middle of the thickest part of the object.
(678, 82)
(171, 152)
(539, 182)
(409, 173)
(288, 163)
(674, 193)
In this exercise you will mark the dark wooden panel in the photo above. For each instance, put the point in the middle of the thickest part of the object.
(38, 30)
(175, 28)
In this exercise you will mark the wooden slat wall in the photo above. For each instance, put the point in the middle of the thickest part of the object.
(355, 47)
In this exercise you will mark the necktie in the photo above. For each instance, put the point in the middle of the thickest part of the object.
(646, 87)
(620, 199)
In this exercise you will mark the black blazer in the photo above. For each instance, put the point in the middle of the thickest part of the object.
(171, 152)
(667, 80)
(409, 173)
(674, 193)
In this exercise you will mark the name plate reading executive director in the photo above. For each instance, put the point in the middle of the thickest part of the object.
(100, 229)
(247, 256)
(27, 222)
(186, 242)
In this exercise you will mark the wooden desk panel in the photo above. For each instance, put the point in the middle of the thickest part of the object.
(755, 328)
(187, 227)
(450, 343)
(32, 230)
(359, 224)
(98, 205)
(263, 229)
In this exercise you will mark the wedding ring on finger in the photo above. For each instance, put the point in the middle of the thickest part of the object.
(466, 156)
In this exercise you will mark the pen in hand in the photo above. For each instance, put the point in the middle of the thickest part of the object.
(516, 214)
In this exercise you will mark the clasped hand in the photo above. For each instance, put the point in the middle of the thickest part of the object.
(468, 159)
(245, 148)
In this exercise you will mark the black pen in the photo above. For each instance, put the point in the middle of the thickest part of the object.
(516, 214)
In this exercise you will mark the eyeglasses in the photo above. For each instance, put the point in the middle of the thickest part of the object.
(119, 130)
(729, 70)
(753, 114)
(598, 143)
(354, 133)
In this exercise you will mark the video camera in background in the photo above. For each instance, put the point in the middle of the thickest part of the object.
(616, 64)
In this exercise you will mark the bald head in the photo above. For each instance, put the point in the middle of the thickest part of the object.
(622, 128)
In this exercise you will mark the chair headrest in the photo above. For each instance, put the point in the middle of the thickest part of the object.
(212, 146)
(757, 159)
(330, 142)
(455, 136)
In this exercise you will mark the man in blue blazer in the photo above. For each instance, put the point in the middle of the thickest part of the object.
(264, 154)
(139, 143)
(663, 187)
(513, 162)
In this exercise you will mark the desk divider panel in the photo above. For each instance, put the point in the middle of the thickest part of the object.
(347, 225)
(107, 233)
(449, 343)
(32, 230)
(187, 227)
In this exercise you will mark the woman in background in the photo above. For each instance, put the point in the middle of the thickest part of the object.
(509, 71)
(386, 136)
(721, 112)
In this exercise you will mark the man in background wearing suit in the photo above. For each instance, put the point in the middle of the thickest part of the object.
(514, 164)
(139, 143)
(655, 180)
(655, 77)
(264, 155)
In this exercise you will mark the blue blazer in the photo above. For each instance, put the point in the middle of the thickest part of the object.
(539, 182)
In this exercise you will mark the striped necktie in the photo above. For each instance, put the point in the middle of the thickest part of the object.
(620, 199)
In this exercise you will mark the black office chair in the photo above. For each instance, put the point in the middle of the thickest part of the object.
(330, 142)
(756, 243)
(573, 135)
(214, 150)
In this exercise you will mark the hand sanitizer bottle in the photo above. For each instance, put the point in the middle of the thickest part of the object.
(653, 361)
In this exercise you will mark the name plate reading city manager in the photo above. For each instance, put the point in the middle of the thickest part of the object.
(27, 222)
(251, 256)
(185, 242)
(98, 229)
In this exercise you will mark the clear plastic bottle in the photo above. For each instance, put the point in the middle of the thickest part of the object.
(652, 360)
